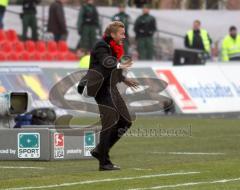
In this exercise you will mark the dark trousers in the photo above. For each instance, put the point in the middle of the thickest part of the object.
(145, 48)
(115, 120)
(29, 20)
(57, 37)
(88, 37)
(60, 37)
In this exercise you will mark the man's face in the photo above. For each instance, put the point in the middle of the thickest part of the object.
(90, 2)
(119, 36)
(146, 10)
(80, 53)
(233, 33)
(64, 1)
(121, 9)
(196, 26)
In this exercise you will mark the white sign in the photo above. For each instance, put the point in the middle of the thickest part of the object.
(28, 145)
(203, 89)
(58, 145)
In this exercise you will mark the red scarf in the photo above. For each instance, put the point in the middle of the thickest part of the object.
(116, 48)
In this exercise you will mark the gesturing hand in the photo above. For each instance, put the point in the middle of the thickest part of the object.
(126, 65)
(131, 83)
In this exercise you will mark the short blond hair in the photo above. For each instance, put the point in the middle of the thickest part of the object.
(113, 27)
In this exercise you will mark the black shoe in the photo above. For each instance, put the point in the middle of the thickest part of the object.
(95, 154)
(108, 167)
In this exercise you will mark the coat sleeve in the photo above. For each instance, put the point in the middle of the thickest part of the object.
(107, 62)
(97, 18)
(80, 21)
(186, 42)
(136, 26)
(105, 59)
(225, 56)
(154, 25)
(210, 39)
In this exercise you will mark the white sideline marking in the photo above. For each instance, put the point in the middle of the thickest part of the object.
(20, 167)
(102, 180)
(142, 169)
(189, 184)
(190, 153)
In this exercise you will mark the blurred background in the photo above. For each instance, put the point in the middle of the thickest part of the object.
(174, 18)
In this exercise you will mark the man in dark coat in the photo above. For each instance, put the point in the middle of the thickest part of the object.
(88, 24)
(29, 18)
(57, 21)
(104, 73)
(145, 27)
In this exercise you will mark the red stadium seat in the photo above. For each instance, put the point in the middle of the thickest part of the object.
(38, 56)
(71, 56)
(2, 36)
(52, 46)
(11, 35)
(47, 57)
(41, 46)
(55, 56)
(61, 56)
(25, 56)
(62, 46)
(18, 46)
(2, 57)
(12, 56)
(6, 47)
(30, 46)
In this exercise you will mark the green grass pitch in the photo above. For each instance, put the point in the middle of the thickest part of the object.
(159, 153)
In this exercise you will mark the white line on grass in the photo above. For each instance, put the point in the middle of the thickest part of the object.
(102, 180)
(189, 184)
(21, 167)
(190, 153)
(142, 169)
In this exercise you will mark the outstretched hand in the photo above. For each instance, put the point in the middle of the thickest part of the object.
(131, 83)
(126, 65)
